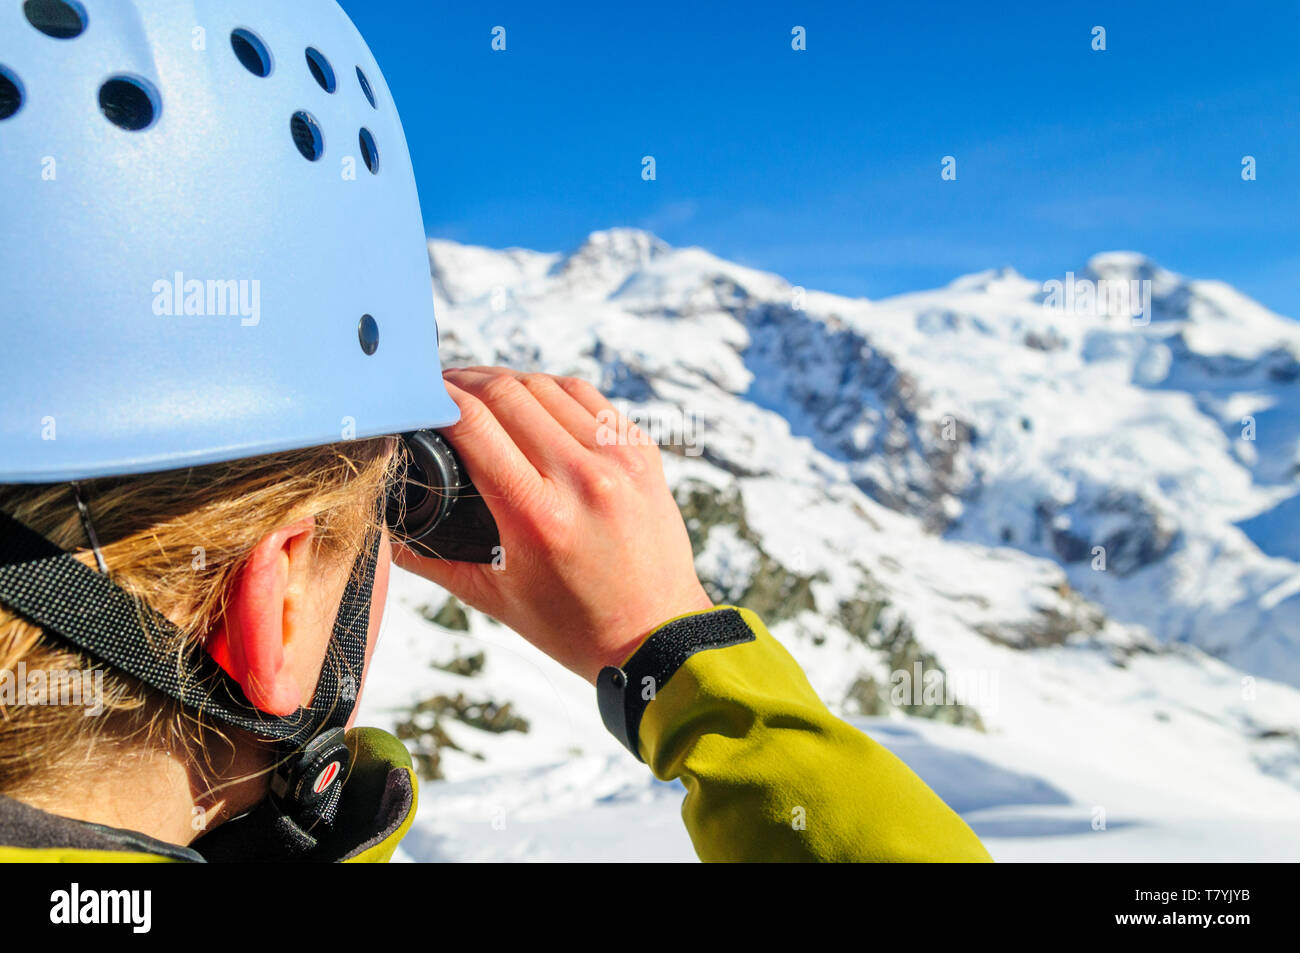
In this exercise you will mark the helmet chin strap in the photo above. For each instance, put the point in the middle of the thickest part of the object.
(69, 600)
(308, 782)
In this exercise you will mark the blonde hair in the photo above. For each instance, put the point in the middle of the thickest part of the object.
(174, 540)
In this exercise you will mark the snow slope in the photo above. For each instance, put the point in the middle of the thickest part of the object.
(1081, 520)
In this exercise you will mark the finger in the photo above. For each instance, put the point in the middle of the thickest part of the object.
(571, 415)
(586, 394)
(496, 466)
(549, 447)
(612, 427)
(583, 392)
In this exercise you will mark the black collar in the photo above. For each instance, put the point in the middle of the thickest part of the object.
(24, 826)
(378, 805)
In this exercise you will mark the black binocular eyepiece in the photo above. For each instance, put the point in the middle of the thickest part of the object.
(436, 511)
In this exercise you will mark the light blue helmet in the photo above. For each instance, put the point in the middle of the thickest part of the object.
(212, 241)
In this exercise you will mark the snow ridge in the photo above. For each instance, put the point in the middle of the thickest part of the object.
(1082, 516)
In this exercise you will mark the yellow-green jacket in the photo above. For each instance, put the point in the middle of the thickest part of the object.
(770, 775)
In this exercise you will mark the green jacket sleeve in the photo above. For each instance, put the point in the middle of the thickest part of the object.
(772, 775)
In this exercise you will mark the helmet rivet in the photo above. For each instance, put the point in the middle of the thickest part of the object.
(368, 333)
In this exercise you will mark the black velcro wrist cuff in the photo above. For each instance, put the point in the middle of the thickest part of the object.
(623, 693)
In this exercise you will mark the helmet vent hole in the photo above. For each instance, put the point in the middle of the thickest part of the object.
(252, 52)
(321, 69)
(128, 103)
(369, 151)
(365, 88)
(368, 333)
(11, 94)
(60, 19)
(307, 135)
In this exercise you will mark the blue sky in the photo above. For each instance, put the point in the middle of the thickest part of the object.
(824, 165)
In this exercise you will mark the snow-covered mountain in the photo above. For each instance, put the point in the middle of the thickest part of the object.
(1060, 517)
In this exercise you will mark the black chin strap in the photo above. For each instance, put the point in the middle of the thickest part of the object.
(65, 598)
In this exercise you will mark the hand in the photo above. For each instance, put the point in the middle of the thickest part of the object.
(596, 555)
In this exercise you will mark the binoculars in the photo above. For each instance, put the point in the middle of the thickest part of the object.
(436, 511)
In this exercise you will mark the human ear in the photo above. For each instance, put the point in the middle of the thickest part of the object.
(265, 640)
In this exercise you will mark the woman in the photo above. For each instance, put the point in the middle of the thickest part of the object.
(222, 325)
